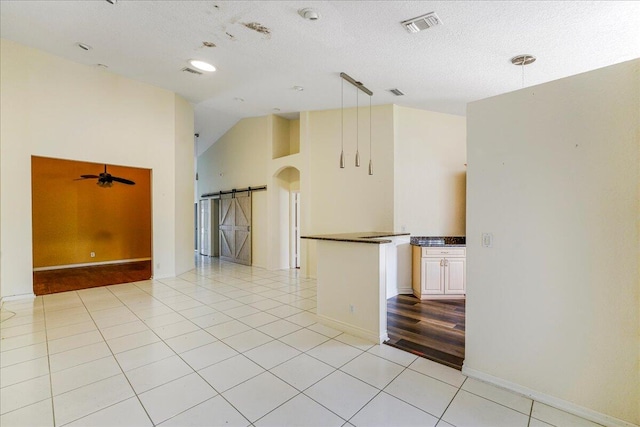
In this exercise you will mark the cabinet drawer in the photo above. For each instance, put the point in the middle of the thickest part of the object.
(444, 251)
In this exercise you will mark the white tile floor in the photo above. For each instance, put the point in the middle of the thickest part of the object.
(225, 344)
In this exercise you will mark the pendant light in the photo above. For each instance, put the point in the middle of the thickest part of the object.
(359, 87)
(370, 151)
(342, 126)
(357, 128)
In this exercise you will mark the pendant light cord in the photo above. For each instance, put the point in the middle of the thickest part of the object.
(342, 113)
(370, 155)
(357, 120)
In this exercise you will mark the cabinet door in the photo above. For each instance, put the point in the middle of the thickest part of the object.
(432, 276)
(455, 276)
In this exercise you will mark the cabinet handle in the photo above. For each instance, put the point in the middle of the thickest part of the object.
(446, 262)
(441, 263)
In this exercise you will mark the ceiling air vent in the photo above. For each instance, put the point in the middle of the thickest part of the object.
(191, 70)
(396, 92)
(420, 23)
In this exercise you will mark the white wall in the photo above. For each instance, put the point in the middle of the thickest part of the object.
(184, 148)
(553, 307)
(349, 200)
(430, 154)
(56, 108)
(238, 159)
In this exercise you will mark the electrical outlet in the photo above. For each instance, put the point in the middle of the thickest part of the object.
(352, 308)
(158, 266)
(487, 240)
(93, 254)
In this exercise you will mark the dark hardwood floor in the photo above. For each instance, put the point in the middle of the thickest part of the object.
(73, 279)
(433, 329)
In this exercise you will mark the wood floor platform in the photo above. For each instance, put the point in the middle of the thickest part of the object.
(433, 329)
(73, 279)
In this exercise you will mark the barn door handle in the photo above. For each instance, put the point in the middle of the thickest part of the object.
(248, 228)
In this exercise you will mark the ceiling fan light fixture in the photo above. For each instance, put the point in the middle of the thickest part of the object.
(202, 65)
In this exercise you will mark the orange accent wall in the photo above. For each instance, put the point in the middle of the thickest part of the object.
(71, 218)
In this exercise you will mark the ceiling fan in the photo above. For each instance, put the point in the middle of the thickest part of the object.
(105, 179)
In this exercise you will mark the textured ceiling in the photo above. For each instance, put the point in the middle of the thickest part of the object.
(440, 69)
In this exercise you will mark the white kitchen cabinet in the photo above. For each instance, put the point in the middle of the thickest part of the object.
(439, 272)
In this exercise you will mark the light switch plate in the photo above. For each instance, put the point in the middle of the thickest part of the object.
(487, 240)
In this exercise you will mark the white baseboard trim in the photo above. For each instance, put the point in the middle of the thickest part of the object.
(405, 291)
(555, 402)
(17, 297)
(354, 330)
(90, 264)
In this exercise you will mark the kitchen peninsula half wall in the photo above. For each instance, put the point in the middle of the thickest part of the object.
(356, 272)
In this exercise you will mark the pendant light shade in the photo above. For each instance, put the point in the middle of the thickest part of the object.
(357, 128)
(342, 125)
(370, 150)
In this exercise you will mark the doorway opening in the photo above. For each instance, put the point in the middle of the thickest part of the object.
(286, 224)
(295, 229)
(209, 228)
(433, 329)
(86, 235)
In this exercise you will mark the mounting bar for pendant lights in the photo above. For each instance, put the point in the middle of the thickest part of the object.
(356, 83)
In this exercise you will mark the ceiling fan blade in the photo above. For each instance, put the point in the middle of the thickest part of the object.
(122, 180)
(89, 176)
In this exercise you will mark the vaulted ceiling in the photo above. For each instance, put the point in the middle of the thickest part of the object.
(439, 69)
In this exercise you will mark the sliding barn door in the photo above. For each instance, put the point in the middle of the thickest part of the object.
(235, 229)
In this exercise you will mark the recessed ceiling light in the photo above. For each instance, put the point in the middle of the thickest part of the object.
(276, 109)
(112, 1)
(102, 66)
(298, 88)
(201, 65)
(309, 14)
(239, 99)
(84, 46)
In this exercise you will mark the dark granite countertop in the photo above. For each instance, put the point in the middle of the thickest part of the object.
(362, 237)
(438, 241)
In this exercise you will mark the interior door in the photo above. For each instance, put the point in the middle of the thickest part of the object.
(205, 227)
(242, 229)
(235, 228)
(296, 231)
(227, 222)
